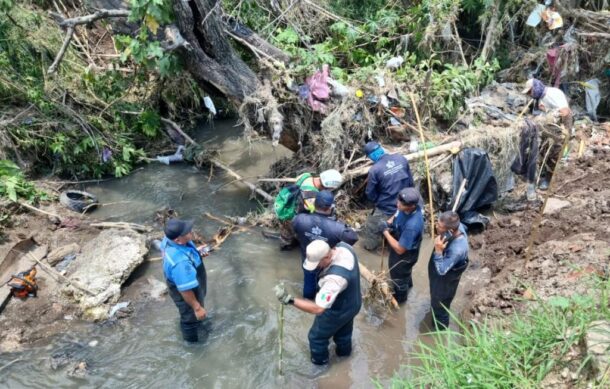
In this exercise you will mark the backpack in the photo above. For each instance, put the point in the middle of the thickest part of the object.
(286, 201)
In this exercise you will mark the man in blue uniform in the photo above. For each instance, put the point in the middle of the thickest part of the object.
(336, 304)
(185, 275)
(404, 232)
(320, 225)
(448, 262)
(389, 174)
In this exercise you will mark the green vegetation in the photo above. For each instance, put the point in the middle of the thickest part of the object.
(517, 353)
(13, 184)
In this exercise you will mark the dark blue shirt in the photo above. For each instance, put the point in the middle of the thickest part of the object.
(317, 226)
(388, 176)
(408, 228)
(180, 264)
(455, 254)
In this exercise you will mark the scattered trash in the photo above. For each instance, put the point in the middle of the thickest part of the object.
(303, 93)
(552, 18)
(384, 101)
(535, 16)
(79, 370)
(93, 343)
(359, 93)
(78, 201)
(414, 146)
(209, 104)
(65, 262)
(106, 155)
(394, 121)
(176, 157)
(338, 89)
(394, 63)
(117, 307)
(592, 97)
(318, 89)
(380, 80)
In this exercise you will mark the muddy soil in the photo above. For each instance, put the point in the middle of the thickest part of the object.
(573, 241)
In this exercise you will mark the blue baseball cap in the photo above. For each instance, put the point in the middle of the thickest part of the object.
(175, 228)
(324, 199)
(370, 147)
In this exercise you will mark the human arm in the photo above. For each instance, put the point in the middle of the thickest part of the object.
(394, 244)
(446, 256)
(191, 300)
(307, 306)
(349, 236)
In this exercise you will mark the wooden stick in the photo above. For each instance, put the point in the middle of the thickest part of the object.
(536, 225)
(216, 218)
(32, 208)
(382, 252)
(232, 173)
(459, 195)
(383, 286)
(286, 179)
(427, 163)
(281, 339)
(122, 225)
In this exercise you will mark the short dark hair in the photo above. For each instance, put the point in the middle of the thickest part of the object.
(450, 219)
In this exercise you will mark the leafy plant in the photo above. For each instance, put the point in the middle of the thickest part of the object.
(13, 184)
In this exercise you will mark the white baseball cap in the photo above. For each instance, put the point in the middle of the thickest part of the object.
(331, 179)
(315, 251)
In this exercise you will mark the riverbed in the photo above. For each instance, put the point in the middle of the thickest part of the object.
(241, 331)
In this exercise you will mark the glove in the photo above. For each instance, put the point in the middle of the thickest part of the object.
(282, 295)
(382, 226)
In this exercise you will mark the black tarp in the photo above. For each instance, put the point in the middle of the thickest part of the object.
(481, 188)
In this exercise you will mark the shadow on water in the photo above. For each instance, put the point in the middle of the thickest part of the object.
(240, 347)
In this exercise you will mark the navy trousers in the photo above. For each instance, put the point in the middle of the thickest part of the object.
(189, 325)
(442, 292)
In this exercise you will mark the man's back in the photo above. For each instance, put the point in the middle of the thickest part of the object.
(317, 226)
(387, 177)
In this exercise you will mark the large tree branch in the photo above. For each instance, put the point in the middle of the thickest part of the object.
(252, 40)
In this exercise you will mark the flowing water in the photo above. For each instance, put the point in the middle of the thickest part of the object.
(241, 346)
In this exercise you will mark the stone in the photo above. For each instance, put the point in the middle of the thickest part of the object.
(157, 288)
(103, 266)
(59, 253)
(554, 205)
(598, 347)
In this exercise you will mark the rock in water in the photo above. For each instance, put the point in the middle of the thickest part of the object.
(102, 267)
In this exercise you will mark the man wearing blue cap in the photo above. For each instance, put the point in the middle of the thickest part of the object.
(320, 225)
(185, 275)
(389, 174)
(404, 232)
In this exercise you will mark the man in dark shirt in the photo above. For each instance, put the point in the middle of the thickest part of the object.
(320, 225)
(404, 232)
(389, 174)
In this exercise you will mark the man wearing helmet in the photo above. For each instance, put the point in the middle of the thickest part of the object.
(309, 187)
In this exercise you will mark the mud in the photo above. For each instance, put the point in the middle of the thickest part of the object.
(573, 242)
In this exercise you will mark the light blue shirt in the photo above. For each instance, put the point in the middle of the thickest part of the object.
(456, 253)
(180, 263)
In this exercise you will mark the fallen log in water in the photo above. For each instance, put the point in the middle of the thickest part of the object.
(378, 286)
(122, 225)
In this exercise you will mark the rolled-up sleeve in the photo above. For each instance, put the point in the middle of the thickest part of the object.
(184, 276)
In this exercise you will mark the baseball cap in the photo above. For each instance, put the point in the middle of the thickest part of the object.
(331, 179)
(175, 228)
(324, 199)
(315, 251)
(370, 147)
(409, 196)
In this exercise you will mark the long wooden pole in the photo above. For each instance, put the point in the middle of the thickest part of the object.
(427, 163)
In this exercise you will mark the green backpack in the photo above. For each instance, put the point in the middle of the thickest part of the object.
(286, 201)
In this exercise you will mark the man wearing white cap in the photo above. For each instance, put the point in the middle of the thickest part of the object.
(549, 99)
(337, 302)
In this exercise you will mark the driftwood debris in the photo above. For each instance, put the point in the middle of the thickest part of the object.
(378, 284)
(122, 225)
(239, 178)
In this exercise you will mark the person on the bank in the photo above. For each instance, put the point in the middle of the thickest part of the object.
(549, 99)
(309, 186)
(447, 263)
(389, 174)
(337, 302)
(404, 232)
(320, 225)
(185, 275)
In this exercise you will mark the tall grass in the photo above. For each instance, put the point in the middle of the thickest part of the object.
(518, 352)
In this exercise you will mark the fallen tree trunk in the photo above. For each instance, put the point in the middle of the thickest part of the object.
(239, 178)
(123, 225)
(376, 282)
(449, 147)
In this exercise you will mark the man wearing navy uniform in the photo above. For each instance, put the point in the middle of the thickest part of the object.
(389, 174)
(404, 232)
(320, 225)
(185, 275)
(337, 302)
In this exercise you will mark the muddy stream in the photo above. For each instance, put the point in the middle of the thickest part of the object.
(240, 350)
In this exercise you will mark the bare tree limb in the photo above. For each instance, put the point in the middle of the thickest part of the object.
(101, 14)
(60, 55)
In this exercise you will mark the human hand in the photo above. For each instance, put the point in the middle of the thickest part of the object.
(440, 243)
(282, 295)
(200, 313)
(204, 250)
(383, 226)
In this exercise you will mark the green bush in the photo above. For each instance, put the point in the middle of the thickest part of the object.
(13, 184)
